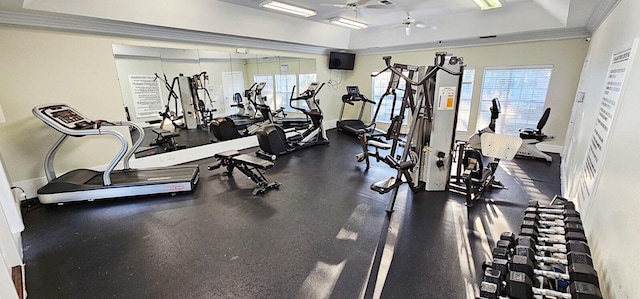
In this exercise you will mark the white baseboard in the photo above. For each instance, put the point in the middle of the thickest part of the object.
(329, 124)
(31, 186)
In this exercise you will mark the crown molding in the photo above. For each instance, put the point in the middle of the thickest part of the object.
(541, 35)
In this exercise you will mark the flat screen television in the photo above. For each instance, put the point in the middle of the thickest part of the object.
(341, 61)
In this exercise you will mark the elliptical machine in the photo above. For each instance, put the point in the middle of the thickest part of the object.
(273, 140)
(240, 124)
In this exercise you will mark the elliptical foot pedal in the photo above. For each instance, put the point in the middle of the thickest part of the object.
(387, 185)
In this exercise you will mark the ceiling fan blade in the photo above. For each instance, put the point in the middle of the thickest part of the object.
(425, 26)
(379, 6)
(334, 5)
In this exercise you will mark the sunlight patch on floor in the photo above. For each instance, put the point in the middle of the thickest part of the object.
(321, 281)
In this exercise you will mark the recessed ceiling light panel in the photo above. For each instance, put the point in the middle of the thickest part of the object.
(488, 4)
(288, 8)
(348, 23)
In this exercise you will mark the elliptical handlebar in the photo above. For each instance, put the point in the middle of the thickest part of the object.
(310, 93)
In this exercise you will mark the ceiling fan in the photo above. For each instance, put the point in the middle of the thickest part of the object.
(357, 5)
(409, 23)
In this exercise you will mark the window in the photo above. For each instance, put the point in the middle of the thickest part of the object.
(267, 91)
(284, 85)
(522, 93)
(379, 86)
(304, 81)
(464, 108)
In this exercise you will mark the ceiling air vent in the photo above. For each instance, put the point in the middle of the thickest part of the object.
(386, 2)
(488, 36)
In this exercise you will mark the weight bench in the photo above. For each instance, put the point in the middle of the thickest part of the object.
(480, 166)
(251, 166)
(166, 140)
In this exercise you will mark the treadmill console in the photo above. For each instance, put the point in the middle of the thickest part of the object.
(67, 117)
(354, 93)
(353, 90)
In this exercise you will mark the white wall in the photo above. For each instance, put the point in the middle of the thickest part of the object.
(611, 214)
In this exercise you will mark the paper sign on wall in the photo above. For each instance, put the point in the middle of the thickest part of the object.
(621, 61)
(147, 95)
(446, 97)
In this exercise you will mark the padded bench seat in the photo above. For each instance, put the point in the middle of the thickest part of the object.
(254, 161)
(251, 166)
(164, 133)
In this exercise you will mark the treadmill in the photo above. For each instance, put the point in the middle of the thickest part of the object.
(86, 184)
(353, 126)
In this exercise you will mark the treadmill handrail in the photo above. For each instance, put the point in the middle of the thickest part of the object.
(106, 176)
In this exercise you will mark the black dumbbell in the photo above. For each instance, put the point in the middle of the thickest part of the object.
(489, 290)
(569, 246)
(552, 220)
(508, 242)
(542, 238)
(578, 259)
(520, 286)
(565, 212)
(579, 266)
(571, 257)
(552, 225)
(557, 206)
(501, 265)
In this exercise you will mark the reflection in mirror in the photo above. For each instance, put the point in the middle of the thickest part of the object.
(180, 96)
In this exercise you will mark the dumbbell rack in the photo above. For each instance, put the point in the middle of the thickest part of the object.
(550, 258)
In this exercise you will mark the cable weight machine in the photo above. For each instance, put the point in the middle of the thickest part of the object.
(425, 161)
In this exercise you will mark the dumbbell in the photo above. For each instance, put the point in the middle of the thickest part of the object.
(565, 205)
(552, 220)
(557, 212)
(578, 261)
(509, 241)
(496, 270)
(520, 286)
(575, 242)
(575, 246)
(579, 266)
(489, 290)
(544, 237)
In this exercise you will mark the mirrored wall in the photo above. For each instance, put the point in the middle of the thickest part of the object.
(175, 94)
